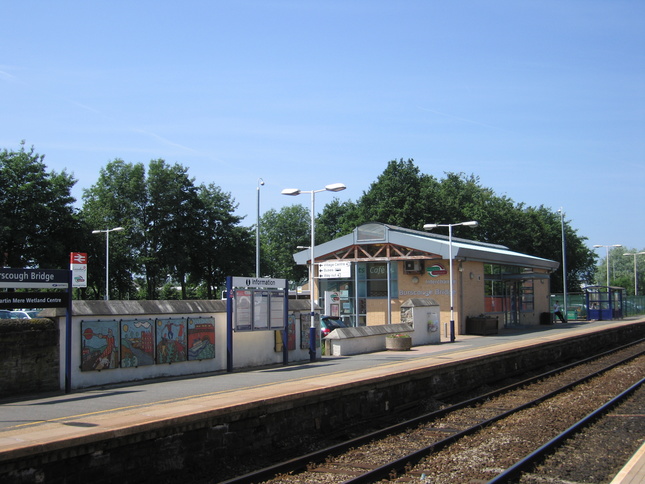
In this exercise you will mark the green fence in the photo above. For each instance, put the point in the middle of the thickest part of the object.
(577, 308)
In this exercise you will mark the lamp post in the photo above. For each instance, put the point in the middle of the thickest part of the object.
(635, 272)
(334, 187)
(564, 262)
(472, 223)
(607, 247)
(107, 257)
(257, 233)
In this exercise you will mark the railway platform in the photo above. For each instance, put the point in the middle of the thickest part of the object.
(53, 423)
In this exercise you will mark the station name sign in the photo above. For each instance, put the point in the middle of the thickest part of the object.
(34, 278)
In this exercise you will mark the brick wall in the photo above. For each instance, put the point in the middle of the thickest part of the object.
(29, 356)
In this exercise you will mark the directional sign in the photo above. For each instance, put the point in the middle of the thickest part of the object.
(34, 278)
(335, 269)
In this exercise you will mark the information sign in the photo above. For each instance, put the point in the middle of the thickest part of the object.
(242, 309)
(260, 309)
(259, 282)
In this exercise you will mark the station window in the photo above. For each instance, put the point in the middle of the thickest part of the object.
(372, 279)
(504, 293)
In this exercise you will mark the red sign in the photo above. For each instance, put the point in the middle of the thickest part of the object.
(78, 258)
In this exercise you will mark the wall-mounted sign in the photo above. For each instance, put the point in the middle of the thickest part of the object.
(259, 282)
(436, 270)
(335, 269)
(10, 300)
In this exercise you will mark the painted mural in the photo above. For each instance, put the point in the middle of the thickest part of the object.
(137, 342)
(171, 340)
(201, 338)
(100, 345)
(291, 335)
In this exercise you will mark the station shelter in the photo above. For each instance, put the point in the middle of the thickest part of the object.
(378, 267)
(604, 302)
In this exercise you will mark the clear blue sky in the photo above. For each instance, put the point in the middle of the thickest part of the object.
(543, 100)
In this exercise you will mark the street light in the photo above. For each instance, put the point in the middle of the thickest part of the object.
(107, 256)
(472, 223)
(257, 233)
(607, 247)
(334, 187)
(635, 273)
(564, 261)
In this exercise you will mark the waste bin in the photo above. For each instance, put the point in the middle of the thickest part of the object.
(545, 318)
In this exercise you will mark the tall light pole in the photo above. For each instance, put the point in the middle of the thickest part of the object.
(334, 187)
(607, 247)
(107, 257)
(257, 233)
(564, 263)
(635, 272)
(472, 223)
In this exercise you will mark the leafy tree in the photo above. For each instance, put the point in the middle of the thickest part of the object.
(395, 197)
(621, 269)
(37, 220)
(118, 199)
(280, 235)
(176, 234)
(336, 219)
(172, 213)
(223, 247)
(404, 196)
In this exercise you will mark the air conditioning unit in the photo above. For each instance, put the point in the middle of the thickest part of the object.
(413, 267)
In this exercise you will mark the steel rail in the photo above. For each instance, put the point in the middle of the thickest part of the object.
(398, 466)
(514, 472)
(300, 463)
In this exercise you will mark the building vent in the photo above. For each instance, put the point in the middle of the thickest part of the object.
(413, 266)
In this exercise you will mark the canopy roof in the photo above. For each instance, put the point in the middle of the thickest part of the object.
(382, 242)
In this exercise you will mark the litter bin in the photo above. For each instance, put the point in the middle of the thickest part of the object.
(545, 318)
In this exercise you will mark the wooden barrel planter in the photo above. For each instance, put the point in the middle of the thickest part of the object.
(398, 343)
(482, 326)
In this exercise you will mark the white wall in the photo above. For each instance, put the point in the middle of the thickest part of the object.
(250, 349)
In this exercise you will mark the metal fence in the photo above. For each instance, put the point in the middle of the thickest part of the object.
(577, 307)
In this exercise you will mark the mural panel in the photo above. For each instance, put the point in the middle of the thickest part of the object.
(100, 345)
(201, 338)
(171, 340)
(137, 342)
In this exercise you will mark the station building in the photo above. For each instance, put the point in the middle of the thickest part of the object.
(364, 277)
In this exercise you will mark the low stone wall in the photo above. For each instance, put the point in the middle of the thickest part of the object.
(364, 339)
(202, 447)
(29, 356)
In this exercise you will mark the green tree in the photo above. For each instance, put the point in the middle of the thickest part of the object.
(118, 199)
(173, 222)
(337, 219)
(396, 196)
(223, 247)
(38, 226)
(176, 234)
(621, 269)
(280, 235)
(404, 196)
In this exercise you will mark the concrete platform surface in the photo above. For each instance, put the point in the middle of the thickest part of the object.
(51, 422)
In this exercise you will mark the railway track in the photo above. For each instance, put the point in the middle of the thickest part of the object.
(477, 439)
